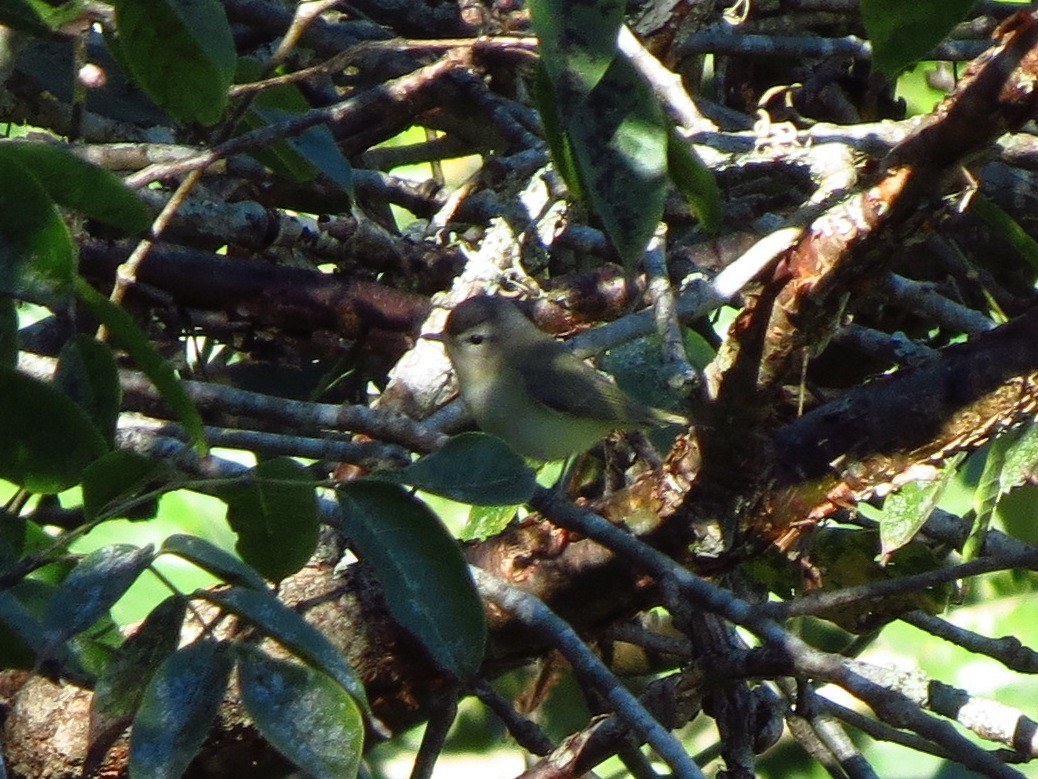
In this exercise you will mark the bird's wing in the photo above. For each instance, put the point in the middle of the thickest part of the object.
(565, 383)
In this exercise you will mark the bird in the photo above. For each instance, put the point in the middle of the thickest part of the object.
(525, 387)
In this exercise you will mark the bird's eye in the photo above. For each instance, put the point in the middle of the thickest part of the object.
(477, 339)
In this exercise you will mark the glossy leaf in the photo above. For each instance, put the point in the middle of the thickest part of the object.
(121, 685)
(181, 52)
(177, 709)
(695, 181)
(273, 510)
(76, 184)
(127, 335)
(92, 588)
(8, 332)
(288, 628)
(577, 41)
(906, 511)
(304, 714)
(37, 258)
(620, 138)
(554, 131)
(213, 559)
(87, 373)
(428, 587)
(472, 468)
(46, 440)
(110, 482)
(903, 33)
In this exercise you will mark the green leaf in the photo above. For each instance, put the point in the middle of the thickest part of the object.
(577, 41)
(275, 619)
(487, 521)
(620, 138)
(429, 590)
(1006, 227)
(213, 559)
(46, 440)
(1021, 459)
(299, 157)
(23, 15)
(92, 588)
(121, 685)
(176, 710)
(110, 482)
(273, 510)
(695, 181)
(181, 52)
(8, 332)
(87, 373)
(37, 257)
(126, 334)
(987, 494)
(558, 142)
(903, 33)
(304, 714)
(76, 184)
(472, 468)
(906, 511)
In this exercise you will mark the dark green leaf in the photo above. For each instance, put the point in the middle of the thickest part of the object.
(8, 332)
(304, 714)
(126, 334)
(1006, 227)
(428, 587)
(577, 41)
(78, 185)
(303, 156)
(46, 440)
(111, 482)
(121, 685)
(23, 15)
(37, 258)
(554, 132)
(177, 709)
(903, 33)
(87, 373)
(472, 468)
(272, 617)
(620, 137)
(181, 52)
(213, 559)
(695, 181)
(274, 512)
(987, 494)
(906, 511)
(93, 587)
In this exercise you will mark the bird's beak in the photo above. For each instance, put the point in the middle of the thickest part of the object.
(433, 337)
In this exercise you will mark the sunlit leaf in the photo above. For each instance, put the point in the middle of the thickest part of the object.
(487, 521)
(213, 559)
(620, 137)
(695, 181)
(303, 713)
(428, 587)
(92, 588)
(275, 619)
(577, 41)
(177, 709)
(273, 511)
(906, 511)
